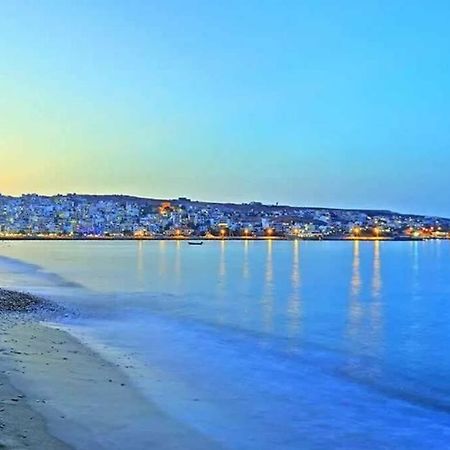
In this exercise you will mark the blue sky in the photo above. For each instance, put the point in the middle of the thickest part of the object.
(304, 102)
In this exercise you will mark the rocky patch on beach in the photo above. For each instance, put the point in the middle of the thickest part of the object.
(21, 302)
(18, 301)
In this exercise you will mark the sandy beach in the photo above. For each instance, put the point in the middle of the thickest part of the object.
(20, 424)
(56, 393)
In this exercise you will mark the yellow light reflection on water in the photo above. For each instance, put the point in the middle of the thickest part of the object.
(267, 299)
(221, 281)
(376, 278)
(140, 261)
(375, 306)
(294, 306)
(177, 262)
(365, 319)
(245, 264)
(355, 309)
(162, 258)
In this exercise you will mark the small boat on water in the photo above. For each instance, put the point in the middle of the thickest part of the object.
(195, 242)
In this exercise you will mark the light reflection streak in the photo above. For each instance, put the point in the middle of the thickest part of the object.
(356, 274)
(246, 315)
(355, 309)
(365, 324)
(222, 265)
(177, 262)
(415, 267)
(162, 258)
(245, 265)
(267, 300)
(140, 262)
(376, 278)
(221, 281)
(294, 306)
(376, 313)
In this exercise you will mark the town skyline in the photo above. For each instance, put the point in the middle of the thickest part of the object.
(225, 202)
(79, 216)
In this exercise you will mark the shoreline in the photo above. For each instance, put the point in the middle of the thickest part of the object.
(220, 239)
(57, 393)
(21, 424)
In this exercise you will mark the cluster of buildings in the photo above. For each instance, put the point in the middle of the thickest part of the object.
(115, 216)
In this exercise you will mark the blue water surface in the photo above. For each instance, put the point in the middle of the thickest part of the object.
(266, 345)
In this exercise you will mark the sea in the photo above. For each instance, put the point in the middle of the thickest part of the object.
(259, 345)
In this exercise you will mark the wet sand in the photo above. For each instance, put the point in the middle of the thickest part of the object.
(20, 425)
(57, 393)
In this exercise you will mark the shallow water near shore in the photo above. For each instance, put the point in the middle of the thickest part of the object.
(262, 345)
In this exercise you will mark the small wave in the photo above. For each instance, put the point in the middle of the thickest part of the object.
(37, 271)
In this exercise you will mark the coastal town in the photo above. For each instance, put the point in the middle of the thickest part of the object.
(76, 216)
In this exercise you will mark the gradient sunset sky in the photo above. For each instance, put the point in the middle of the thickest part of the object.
(325, 103)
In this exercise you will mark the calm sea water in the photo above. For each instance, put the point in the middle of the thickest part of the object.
(267, 345)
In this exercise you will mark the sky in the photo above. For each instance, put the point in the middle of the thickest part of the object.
(314, 103)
